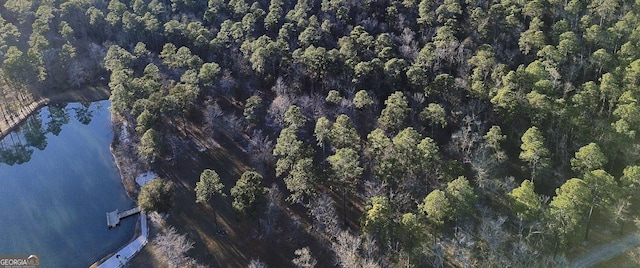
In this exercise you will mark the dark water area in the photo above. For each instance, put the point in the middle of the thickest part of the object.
(57, 181)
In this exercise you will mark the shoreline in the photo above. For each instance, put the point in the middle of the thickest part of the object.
(136, 234)
(86, 94)
(120, 149)
(127, 168)
(13, 120)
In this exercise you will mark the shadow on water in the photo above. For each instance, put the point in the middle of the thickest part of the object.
(18, 147)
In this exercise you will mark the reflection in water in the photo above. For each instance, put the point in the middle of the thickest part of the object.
(19, 145)
(83, 113)
(58, 116)
(33, 133)
(54, 205)
(16, 154)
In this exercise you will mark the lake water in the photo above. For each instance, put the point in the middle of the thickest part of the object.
(53, 201)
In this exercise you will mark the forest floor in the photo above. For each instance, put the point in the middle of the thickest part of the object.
(629, 258)
(620, 251)
(602, 254)
(222, 238)
(607, 247)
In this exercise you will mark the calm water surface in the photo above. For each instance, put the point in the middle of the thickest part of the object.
(54, 203)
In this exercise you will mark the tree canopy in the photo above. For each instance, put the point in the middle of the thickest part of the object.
(248, 193)
(480, 112)
(156, 195)
(209, 185)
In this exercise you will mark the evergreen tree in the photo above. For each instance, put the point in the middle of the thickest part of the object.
(395, 113)
(567, 209)
(301, 180)
(525, 202)
(156, 195)
(343, 134)
(150, 145)
(248, 193)
(208, 186)
(534, 151)
(437, 208)
(588, 158)
(345, 166)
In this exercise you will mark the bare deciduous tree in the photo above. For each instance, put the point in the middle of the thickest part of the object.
(324, 215)
(438, 255)
(303, 258)
(260, 151)
(621, 212)
(465, 141)
(213, 116)
(79, 72)
(275, 113)
(295, 229)
(257, 264)
(353, 251)
(269, 222)
(374, 188)
(234, 126)
(280, 88)
(370, 250)
(462, 245)
(173, 248)
(409, 47)
(494, 239)
(226, 83)
(346, 249)
(220, 122)
(177, 147)
(312, 106)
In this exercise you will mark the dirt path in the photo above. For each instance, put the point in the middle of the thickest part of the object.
(607, 251)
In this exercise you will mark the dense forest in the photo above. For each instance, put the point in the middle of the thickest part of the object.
(410, 133)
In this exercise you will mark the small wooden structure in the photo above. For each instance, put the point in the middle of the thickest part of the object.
(113, 217)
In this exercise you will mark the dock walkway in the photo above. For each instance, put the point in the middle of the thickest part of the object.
(120, 258)
(124, 254)
(114, 217)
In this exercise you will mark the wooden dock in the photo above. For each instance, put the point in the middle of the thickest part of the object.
(113, 217)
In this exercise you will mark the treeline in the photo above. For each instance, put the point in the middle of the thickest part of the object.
(49, 44)
(476, 133)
